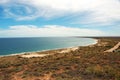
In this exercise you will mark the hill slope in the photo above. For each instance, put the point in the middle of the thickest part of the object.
(86, 63)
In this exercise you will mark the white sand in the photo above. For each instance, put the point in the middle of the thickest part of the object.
(33, 55)
(69, 50)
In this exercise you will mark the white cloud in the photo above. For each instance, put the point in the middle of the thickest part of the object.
(48, 30)
(4, 1)
(103, 11)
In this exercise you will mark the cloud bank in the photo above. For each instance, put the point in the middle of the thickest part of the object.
(99, 11)
(48, 30)
(102, 15)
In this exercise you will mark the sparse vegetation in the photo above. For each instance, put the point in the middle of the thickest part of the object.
(86, 63)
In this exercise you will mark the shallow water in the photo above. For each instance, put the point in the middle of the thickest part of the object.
(19, 45)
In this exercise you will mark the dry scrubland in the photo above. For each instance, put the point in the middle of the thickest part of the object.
(86, 63)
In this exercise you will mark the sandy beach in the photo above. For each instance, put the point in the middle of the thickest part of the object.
(49, 52)
(88, 62)
(37, 54)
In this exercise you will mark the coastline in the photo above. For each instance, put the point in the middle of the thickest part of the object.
(89, 62)
(42, 53)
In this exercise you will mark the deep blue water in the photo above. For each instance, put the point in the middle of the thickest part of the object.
(19, 45)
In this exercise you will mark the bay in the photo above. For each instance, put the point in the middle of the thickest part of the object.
(20, 45)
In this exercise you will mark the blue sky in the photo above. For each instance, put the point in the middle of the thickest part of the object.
(38, 18)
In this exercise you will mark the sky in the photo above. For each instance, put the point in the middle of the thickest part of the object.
(46, 18)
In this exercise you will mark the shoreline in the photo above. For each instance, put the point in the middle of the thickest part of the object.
(59, 50)
(89, 62)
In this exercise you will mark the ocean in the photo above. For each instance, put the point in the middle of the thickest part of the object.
(20, 45)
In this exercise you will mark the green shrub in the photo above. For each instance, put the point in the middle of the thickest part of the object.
(96, 70)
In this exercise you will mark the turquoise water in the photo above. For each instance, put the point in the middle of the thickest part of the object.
(19, 45)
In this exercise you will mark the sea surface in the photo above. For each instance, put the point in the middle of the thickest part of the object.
(20, 45)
